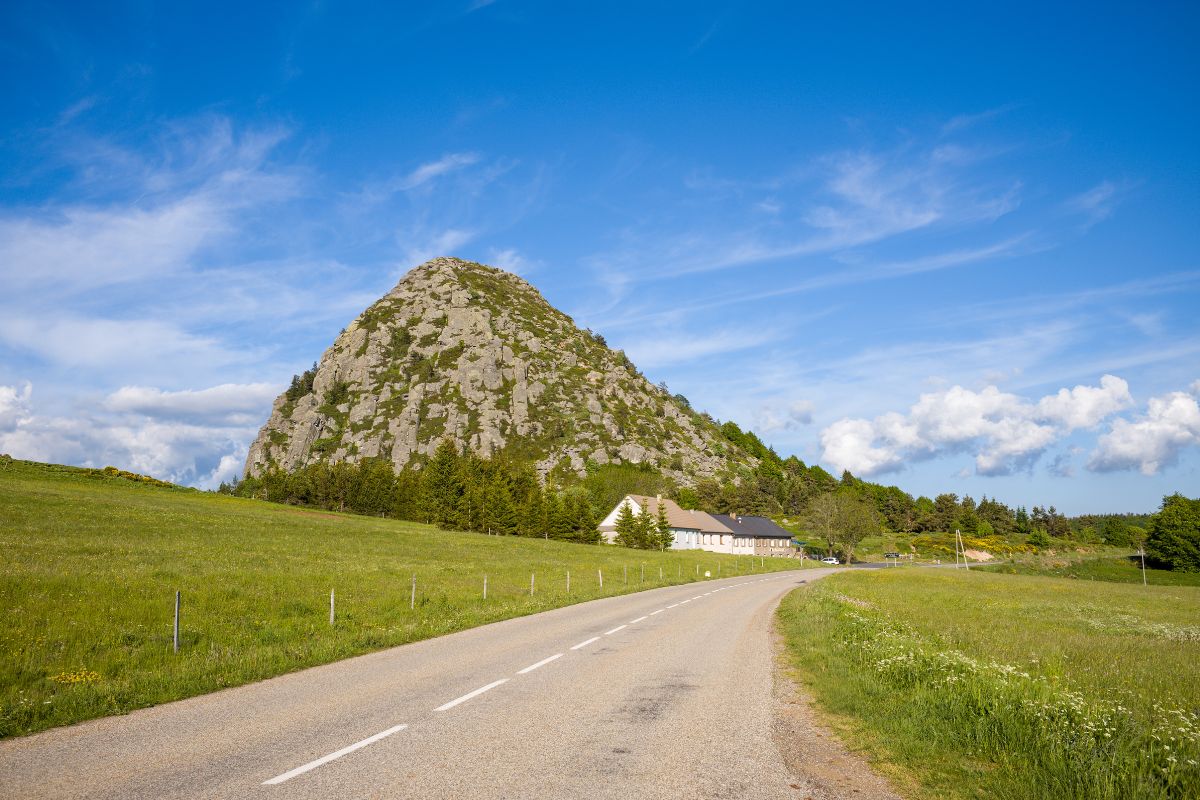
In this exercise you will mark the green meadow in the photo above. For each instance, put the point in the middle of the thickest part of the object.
(90, 563)
(984, 684)
(1116, 569)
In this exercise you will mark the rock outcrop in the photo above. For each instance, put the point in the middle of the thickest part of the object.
(464, 351)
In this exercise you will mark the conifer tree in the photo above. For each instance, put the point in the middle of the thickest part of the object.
(441, 487)
(558, 520)
(664, 538)
(646, 535)
(627, 526)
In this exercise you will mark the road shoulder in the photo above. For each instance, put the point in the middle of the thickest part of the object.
(823, 767)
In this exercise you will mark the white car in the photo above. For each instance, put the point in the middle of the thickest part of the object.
(830, 560)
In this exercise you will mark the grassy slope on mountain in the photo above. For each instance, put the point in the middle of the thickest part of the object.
(89, 565)
(973, 684)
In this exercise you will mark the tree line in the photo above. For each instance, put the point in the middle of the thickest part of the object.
(453, 491)
(504, 495)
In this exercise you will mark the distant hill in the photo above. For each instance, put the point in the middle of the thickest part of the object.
(473, 354)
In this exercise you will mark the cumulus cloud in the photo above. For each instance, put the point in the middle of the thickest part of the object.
(1154, 439)
(199, 438)
(1004, 431)
(14, 406)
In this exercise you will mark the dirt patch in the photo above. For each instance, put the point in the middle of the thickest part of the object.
(824, 768)
(978, 555)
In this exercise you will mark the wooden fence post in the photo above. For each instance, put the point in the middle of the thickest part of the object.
(412, 600)
(485, 587)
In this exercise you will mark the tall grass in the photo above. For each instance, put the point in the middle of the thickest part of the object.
(997, 686)
(89, 565)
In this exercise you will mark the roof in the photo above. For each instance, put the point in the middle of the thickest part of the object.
(758, 527)
(683, 519)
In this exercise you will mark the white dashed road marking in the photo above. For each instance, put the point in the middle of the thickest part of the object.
(287, 776)
(541, 663)
(635, 621)
(470, 695)
(585, 644)
(614, 630)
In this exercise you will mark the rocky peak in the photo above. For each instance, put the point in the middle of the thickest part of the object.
(468, 352)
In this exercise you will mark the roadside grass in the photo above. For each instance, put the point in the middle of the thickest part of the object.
(89, 565)
(1113, 569)
(974, 684)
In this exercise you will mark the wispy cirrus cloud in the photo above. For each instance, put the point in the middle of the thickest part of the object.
(1097, 203)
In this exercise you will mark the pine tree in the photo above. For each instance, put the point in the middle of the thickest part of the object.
(558, 518)
(645, 531)
(533, 522)
(441, 487)
(627, 526)
(664, 537)
(585, 522)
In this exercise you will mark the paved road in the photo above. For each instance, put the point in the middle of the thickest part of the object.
(666, 693)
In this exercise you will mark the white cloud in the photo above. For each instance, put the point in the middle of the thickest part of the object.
(1153, 440)
(442, 243)
(80, 248)
(665, 349)
(836, 203)
(508, 259)
(1005, 432)
(14, 406)
(239, 404)
(192, 452)
(772, 418)
(435, 169)
(1097, 203)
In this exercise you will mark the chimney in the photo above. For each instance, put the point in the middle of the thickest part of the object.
(732, 515)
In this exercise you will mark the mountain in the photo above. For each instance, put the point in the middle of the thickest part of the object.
(474, 354)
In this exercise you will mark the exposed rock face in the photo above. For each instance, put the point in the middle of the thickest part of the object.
(463, 351)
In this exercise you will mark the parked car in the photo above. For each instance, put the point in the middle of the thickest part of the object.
(830, 560)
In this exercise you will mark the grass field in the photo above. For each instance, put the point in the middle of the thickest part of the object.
(975, 684)
(1112, 569)
(89, 566)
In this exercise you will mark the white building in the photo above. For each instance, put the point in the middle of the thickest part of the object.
(693, 530)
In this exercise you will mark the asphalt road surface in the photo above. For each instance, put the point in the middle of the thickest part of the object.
(662, 694)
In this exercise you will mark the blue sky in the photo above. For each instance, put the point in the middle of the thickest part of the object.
(950, 249)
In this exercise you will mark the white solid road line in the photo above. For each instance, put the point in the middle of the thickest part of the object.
(541, 663)
(614, 630)
(697, 597)
(652, 613)
(470, 695)
(639, 619)
(683, 602)
(585, 644)
(287, 776)
(672, 605)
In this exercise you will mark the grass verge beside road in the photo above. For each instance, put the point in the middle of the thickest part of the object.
(971, 684)
(89, 565)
